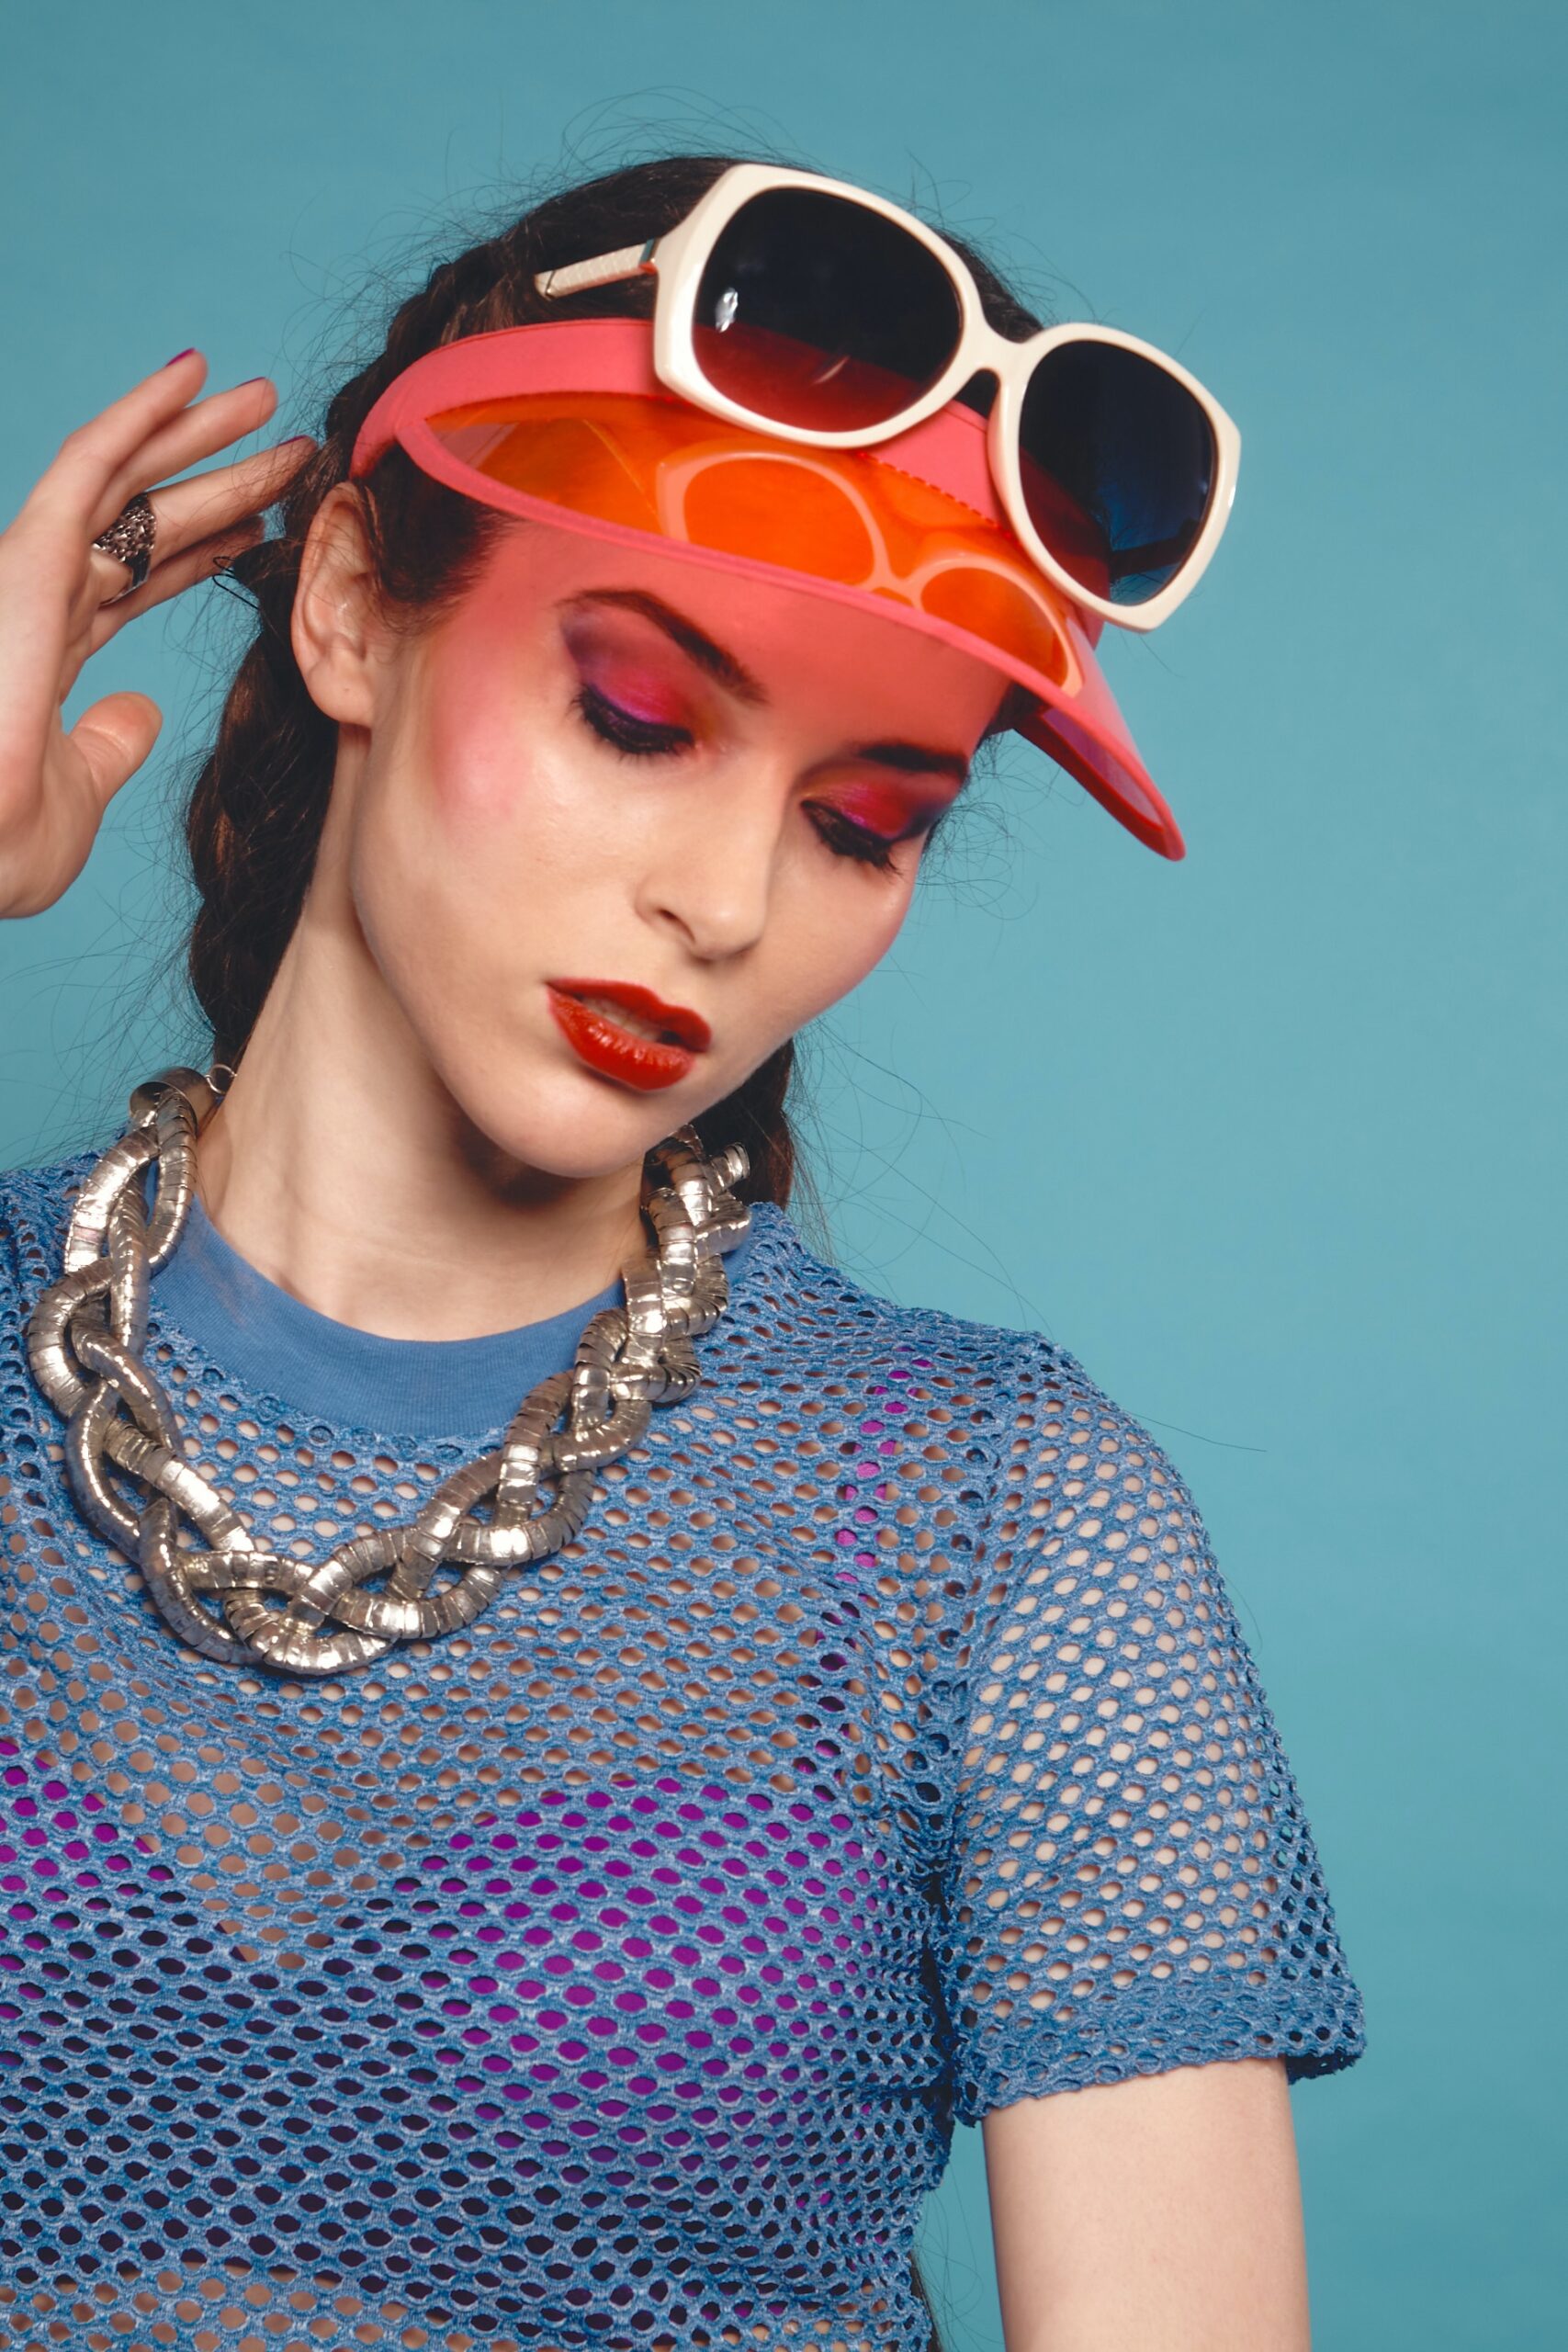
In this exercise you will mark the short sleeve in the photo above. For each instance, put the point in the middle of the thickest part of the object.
(1130, 1883)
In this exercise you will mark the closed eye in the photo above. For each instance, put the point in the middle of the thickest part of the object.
(638, 738)
(846, 839)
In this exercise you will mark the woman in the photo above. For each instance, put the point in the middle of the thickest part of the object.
(541, 1791)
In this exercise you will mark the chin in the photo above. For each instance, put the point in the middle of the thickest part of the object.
(569, 1123)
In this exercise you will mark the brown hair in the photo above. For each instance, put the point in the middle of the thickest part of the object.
(256, 810)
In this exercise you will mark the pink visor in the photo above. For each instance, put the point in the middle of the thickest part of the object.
(568, 424)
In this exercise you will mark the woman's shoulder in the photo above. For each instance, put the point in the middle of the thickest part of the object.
(805, 1291)
(981, 1446)
(1003, 1395)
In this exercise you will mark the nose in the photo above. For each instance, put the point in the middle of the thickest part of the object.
(712, 880)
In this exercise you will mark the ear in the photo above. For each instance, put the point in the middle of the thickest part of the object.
(336, 629)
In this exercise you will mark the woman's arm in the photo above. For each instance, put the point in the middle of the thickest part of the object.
(1160, 2214)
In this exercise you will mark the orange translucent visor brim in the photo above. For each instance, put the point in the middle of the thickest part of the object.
(831, 516)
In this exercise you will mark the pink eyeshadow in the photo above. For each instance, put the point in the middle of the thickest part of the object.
(641, 697)
(889, 810)
(627, 675)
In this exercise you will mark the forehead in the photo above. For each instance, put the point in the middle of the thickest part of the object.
(797, 643)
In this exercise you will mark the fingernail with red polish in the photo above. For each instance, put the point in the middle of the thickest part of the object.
(181, 355)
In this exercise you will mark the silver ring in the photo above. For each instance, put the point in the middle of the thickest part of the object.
(130, 540)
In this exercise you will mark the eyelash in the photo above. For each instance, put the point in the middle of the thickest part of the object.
(644, 738)
(846, 839)
(636, 738)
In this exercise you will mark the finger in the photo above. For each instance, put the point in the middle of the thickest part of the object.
(198, 564)
(195, 433)
(206, 504)
(95, 452)
(187, 512)
(42, 579)
(113, 739)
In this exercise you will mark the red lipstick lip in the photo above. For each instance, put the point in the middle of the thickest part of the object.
(688, 1028)
(647, 1064)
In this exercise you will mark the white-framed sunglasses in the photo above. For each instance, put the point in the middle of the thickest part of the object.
(811, 310)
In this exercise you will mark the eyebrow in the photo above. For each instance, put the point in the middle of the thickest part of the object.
(711, 659)
(914, 759)
(717, 663)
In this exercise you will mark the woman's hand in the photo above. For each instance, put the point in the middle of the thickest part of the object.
(55, 785)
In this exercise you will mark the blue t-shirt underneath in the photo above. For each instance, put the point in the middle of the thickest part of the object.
(273, 1343)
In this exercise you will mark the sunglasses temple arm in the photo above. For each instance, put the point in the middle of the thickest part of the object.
(608, 269)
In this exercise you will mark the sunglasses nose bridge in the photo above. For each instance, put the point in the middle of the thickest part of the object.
(981, 386)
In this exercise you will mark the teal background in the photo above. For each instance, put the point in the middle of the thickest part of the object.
(1271, 1140)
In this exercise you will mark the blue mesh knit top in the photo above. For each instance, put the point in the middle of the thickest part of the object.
(885, 1749)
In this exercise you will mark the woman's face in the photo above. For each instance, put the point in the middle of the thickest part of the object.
(620, 825)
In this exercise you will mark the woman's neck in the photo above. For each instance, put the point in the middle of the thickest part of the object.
(340, 1167)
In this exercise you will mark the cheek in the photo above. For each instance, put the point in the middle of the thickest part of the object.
(507, 795)
(477, 748)
(828, 935)
(473, 836)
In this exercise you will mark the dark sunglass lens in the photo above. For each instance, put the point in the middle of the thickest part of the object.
(813, 311)
(1118, 465)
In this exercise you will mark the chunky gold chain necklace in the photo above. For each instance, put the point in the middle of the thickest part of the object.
(228, 1596)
